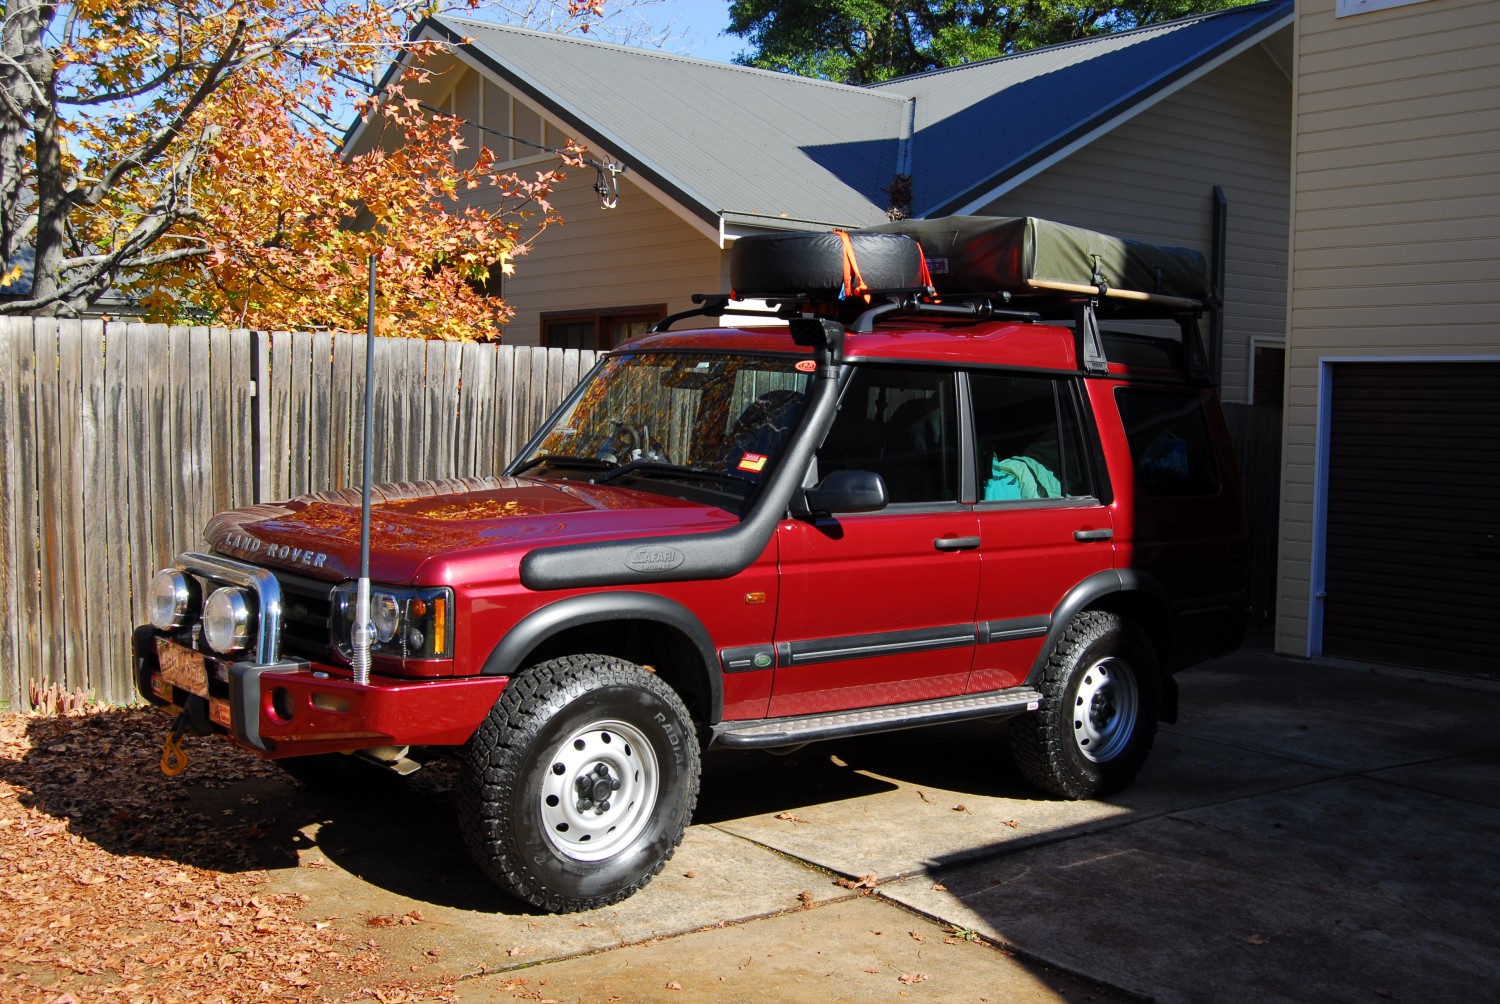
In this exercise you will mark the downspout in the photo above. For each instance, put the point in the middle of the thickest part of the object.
(1220, 240)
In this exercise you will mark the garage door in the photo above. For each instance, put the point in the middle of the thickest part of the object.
(1412, 567)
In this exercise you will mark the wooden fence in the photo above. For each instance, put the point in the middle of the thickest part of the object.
(119, 441)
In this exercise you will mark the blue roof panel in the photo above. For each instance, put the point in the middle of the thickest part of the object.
(980, 123)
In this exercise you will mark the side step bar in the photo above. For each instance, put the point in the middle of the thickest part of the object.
(761, 733)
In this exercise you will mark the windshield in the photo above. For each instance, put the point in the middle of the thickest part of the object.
(712, 419)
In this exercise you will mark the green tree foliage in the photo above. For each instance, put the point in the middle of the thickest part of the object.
(867, 41)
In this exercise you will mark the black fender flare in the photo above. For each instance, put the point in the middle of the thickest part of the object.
(509, 653)
(1087, 593)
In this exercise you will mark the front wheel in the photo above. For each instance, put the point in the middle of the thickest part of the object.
(578, 787)
(1097, 720)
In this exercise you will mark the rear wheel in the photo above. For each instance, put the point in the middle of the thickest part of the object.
(1098, 715)
(579, 785)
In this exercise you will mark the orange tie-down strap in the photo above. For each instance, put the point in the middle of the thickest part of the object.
(854, 283)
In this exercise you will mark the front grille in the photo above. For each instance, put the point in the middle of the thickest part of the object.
(306, 606)
(301, 631)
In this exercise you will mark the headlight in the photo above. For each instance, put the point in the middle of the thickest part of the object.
(385, 614)
(172, 600)
(408, 623)
(227, 620)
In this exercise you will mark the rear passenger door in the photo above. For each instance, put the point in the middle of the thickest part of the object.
(1043, 526)
(878, 608)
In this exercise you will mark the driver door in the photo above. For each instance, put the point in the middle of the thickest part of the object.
(878, 608)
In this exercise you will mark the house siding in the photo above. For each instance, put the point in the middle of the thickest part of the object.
(1395, 244)
(638, 254)
(1153, 179)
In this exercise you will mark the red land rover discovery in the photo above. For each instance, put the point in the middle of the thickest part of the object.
(891, 506)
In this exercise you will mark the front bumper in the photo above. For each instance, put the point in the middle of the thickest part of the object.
(295, 708)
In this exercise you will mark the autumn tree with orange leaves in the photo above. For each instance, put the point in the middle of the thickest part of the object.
(185, 151)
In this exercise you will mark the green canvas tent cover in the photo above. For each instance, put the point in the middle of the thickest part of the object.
(1026, 256)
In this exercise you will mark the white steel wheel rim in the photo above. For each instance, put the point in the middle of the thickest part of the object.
(599, 790)
(1105, 707)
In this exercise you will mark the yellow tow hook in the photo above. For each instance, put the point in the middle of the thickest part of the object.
(174, 758)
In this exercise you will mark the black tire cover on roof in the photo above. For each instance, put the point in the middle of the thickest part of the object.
(767, 265)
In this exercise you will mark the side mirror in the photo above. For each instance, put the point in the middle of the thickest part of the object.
(848, 492)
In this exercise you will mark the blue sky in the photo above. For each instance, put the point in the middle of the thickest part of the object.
(702, 21)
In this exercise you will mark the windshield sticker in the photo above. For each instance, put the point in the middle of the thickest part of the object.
(753, 463)
(806, 365)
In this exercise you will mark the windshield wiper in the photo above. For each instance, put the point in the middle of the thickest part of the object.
(645, 466)
(565, 460)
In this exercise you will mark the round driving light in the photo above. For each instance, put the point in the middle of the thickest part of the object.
(226, 620)
(385, 614)
(172, 599)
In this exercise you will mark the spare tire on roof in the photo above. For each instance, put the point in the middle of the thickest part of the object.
(767, 266)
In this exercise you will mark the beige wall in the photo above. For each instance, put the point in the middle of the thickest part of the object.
(1153, 179)
(638, 254)
(1395, 246)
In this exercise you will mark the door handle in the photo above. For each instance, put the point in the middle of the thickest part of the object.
(1088, 536)
(956, 543)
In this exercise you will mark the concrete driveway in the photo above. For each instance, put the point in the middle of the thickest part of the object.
(1306, 832)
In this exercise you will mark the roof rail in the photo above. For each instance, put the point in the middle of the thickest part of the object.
(959, 308)
(1082, 310)
(717, 305)
(793, 305)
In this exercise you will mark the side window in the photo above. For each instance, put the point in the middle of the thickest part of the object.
(1027, 442)
(1168, 435)
(901, 424)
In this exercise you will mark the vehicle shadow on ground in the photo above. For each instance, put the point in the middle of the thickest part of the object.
(230, 811)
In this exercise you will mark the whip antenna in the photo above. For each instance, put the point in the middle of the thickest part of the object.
(364, 631)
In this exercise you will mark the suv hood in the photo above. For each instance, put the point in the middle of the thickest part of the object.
(458, 519)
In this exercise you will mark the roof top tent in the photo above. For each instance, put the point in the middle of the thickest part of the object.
(977, 268)
(1065, 272)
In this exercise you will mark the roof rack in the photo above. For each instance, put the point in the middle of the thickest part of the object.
(1082, 307)
(864, 316)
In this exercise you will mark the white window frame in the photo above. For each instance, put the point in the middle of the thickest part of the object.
(1346, 8)
(1259, 341)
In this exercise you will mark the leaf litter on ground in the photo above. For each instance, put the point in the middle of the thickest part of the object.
(114, 887)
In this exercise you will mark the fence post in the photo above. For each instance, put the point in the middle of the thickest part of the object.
(260, 415)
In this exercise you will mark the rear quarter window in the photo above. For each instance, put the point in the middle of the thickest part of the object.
(1169, 442)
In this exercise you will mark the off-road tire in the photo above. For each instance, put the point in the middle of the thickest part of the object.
(554, 725)
(1101, 696)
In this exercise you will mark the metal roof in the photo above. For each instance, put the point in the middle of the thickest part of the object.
(982, 123)
(724, 139)
(740, 145)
